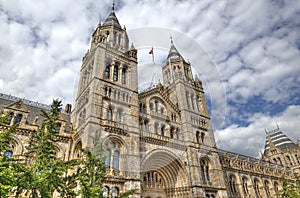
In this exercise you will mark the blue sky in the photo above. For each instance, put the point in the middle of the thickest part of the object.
(246, 52)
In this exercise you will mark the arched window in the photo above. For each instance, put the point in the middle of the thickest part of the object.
(256, 188)
(279, 161)
(118, 116)
(107, 160)
(112, 155)
(204, 170)
(105, 190)
(116, 72)
(116, 160)
(151, 106)
(57, 128)
(155, 128)
(177, 133)
(162, 130)
(114, 192)
(267, 188)
(10, 117)
(156, 105)
(8, 154)
(276, 187)
(78, 151)
(198, 136)
(172, 132)
(123, 76)
(109, 114)
(145, 126)
(107, 71)
(232, 184)
(289, 159)
(18, 119)
(245, 186)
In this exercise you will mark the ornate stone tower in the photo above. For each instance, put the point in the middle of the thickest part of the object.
(107, 104)
(178, 150)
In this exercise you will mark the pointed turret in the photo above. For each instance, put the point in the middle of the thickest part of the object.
(112, 19)
(174, 55)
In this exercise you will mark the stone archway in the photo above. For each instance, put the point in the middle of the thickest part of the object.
(164, 175)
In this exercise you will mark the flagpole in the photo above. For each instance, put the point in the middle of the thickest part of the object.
(153, 68)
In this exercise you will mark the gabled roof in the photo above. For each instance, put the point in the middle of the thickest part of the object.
(278, 139)
(32, 108)
(18, 105)
(159, 91)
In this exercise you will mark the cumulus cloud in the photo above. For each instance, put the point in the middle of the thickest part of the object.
(248, 62)
(250, 139)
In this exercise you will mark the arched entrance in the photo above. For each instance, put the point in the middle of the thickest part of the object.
(164, 175)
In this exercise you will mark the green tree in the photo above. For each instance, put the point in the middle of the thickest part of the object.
(44, 173)
(290, 189)
(91, 171)
(7, 179)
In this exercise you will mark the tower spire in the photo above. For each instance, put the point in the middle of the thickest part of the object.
(113, 6)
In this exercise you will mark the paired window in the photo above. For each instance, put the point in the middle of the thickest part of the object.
(109, 114)
(123, 76)
(116, 73)
(267, 188)
(245, 186)
(107, 71)
(232, 184)
(204, 169)
(256, 188)
(112, 155)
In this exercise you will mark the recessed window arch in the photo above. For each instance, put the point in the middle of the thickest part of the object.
(162, 130)
(276, 187)
(57, 128)
(156, 128)
(109, 114)
(116, 72)
(107, 70)
(289, 160)
(77, 150)
(204, 170)
(105, 190)
(8, 154)
(233, 184)
(113, 151)
(124, 76)
(10, 117)
(256, 187)
(267, 188)
(118, 116)
(115, 192)
(245, 186)
(18, 119)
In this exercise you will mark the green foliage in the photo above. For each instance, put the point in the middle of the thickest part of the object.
(91, 172)
(289, 189)
(44, 173)
(7, 171)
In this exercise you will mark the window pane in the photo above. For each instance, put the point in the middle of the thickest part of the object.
(116, 160)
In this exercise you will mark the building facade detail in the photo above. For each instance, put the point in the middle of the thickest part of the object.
(159, 141)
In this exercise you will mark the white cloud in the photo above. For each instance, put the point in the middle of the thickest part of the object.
(250, 140)
(254, 45)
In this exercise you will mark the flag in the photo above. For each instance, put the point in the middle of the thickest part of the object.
(151, 51)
